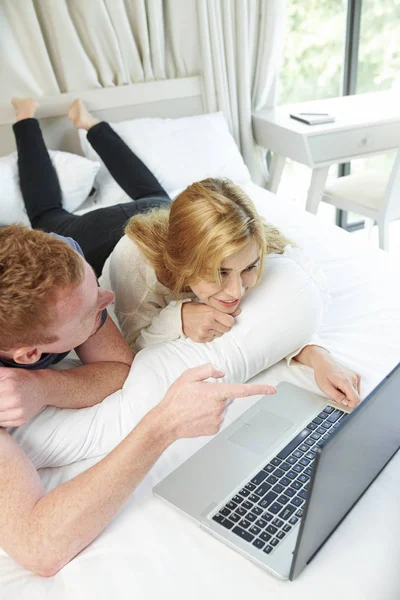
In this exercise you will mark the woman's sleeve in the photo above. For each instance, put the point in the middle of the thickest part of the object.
(317, 276)
(143, 315)
(165, 325)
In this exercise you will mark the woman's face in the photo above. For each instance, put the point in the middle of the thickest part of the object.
(239, 273)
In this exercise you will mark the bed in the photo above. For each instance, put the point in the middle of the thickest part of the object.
(149, 551)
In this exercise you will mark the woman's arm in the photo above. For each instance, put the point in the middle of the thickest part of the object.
(338, 382)
(145, 317)
(165, 324)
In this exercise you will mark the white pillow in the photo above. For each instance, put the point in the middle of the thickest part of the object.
(75, 173)
(279, 316)
(177, 151)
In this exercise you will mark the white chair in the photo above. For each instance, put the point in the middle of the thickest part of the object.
(371, 194)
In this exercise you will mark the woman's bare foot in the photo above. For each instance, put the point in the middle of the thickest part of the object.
(81, 118)
(25, 108)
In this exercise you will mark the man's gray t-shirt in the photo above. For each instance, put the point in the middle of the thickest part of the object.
(51, 359)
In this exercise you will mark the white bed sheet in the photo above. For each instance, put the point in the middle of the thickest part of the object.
(150, 551)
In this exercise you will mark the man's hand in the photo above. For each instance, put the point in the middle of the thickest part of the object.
(193, 407)
(341, 384)
(202, 323)
(21, 396)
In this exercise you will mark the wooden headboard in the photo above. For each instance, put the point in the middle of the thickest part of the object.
(167, 98)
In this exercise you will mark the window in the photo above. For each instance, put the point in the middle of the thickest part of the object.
(378, 66)
(334, 47)
(314, 50)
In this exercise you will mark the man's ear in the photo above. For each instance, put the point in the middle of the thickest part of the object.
(26, 356)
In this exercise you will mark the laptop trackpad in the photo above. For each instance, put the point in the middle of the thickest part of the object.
(260, 431)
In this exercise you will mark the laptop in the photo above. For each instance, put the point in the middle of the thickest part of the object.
(278, 481)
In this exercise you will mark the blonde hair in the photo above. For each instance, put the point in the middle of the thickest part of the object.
(33, 266)
(208, 222)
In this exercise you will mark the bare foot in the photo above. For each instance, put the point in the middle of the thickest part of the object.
(81, 118)
(25, 108)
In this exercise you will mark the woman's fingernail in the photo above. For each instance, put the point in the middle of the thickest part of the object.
(220, 373)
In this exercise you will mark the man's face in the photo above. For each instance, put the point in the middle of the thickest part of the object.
(78, 313)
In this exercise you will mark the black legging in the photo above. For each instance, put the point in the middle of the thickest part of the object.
(98, 231)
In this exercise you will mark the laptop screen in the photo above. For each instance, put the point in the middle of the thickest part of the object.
(347, 465)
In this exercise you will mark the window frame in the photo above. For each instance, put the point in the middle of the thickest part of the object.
(349, 87)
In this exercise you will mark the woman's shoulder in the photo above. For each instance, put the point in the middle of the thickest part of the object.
(128, 261)
(126, 248)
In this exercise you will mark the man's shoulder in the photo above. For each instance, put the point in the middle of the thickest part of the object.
(71, 242)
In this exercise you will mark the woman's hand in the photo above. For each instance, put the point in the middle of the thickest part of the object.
(202, 323)
(341, 384)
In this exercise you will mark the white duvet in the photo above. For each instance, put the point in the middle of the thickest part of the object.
(148, 551)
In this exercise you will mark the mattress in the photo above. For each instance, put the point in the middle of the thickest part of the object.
(150, 551)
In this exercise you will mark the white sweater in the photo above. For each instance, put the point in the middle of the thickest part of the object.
(146, 310)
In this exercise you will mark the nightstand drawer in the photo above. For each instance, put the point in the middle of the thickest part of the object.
(352, 142)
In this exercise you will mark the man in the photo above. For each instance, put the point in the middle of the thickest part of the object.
(50, 303)
(45, 282)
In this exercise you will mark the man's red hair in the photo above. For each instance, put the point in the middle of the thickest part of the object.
(34, 266)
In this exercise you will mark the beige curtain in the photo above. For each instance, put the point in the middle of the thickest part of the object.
(53, 46)
(242, 44)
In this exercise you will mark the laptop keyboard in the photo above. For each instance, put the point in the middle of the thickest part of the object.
(270, 504)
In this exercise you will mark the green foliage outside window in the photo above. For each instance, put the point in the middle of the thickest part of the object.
(315, 42)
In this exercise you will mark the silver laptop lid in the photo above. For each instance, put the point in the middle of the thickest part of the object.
(347, 465)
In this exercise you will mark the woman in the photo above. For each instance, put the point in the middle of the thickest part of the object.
(209, 246)
(96, 232)
(184, 271)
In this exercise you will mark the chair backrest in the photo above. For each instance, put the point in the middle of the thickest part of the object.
(390, 206)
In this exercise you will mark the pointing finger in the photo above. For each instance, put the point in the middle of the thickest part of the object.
(243, 390)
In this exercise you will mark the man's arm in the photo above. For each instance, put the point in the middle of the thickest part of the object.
(106, 345)
(107, 359)
(43, 532)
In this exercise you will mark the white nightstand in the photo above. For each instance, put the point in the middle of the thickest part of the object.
(365, 124)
